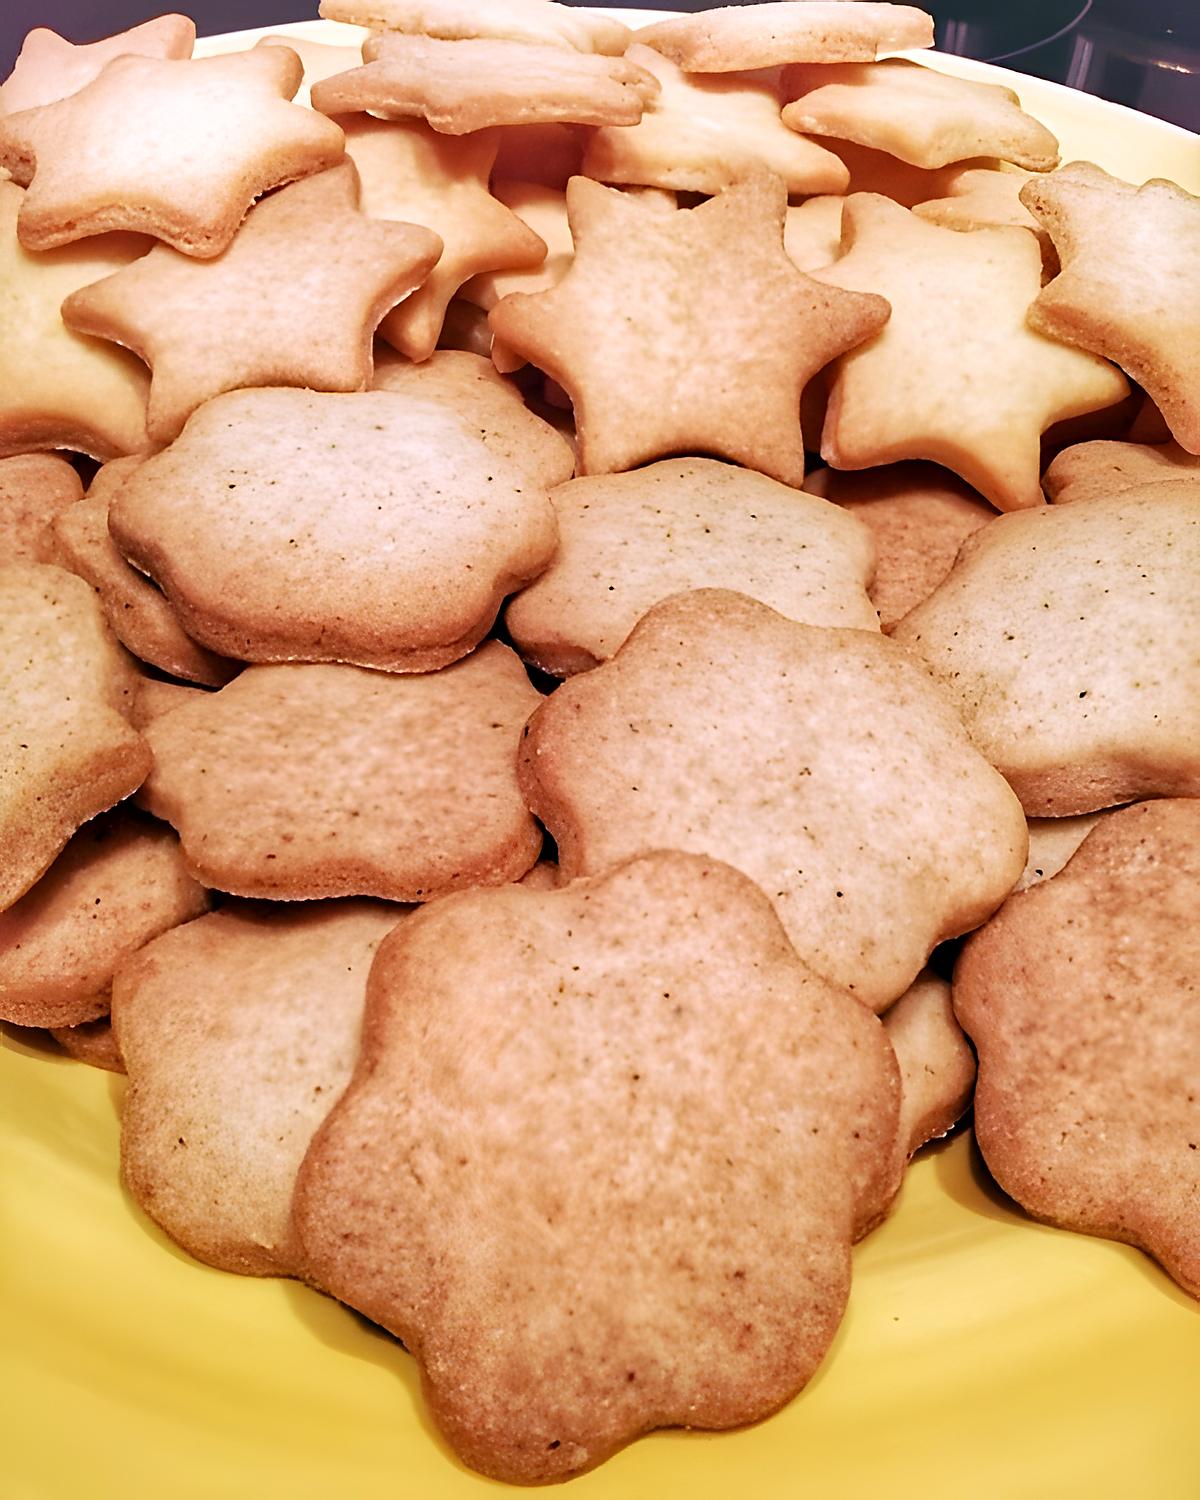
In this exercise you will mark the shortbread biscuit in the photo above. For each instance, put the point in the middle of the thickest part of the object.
(49, 67)
(91, 1042)
(300, 782)
(1066, 637)
(707, 132)
(154, 698)
(138, 614)
(209, 326)
(937, 1066)
(785, 31)
(489, 405)
(544, 210)
(628, 541)
(1080, 997)
(458, 87)
(1130, 282)
(956, 375)
(915, 113)
(1052, 841)
(973, 197)
(1106, 468)
(34, 488)
(239, 1032)
(812, 232)
(118, 883)
(373, 528)
(66, 750)
(719, 376)
(319, 60)
(653, 1156)
(534, 21)
(823, 763)
(920, 516)
(177, 149)
(58, 390)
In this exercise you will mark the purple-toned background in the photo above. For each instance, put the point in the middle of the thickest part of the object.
(1145, 53)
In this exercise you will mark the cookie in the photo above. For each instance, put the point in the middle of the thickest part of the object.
(319, 60)
(1052, 841)
(66, 750)
(49, 67)
(1130, 282)
(731, 37)
(210, 135)
(919, 514)
(706, 132)
(535, 21)
(1106, 468)
(1080, 997)
(238, 1032)
(209, 326)
(956, 375)
(58, 390)
(153, 698)
(937, 1066)
(118, 884)
(973, 197)
(91, 1042)
(721, 377)
(138, 614)
(246, 522)
(628, 541)
(458, 87)
(34, 488)
(812, 232)
(1065, 636)
(654, 1156)
(301, 782)
(822, 762)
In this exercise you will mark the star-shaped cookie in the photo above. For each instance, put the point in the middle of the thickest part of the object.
(537, 21)
(58, 389)
(1130, 282)
(207, 326)
(177, 149)
(50, 68)
(785, 31)
(957, 376)
(654, 363)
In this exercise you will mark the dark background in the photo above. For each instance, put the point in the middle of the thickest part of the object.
(1144, 53)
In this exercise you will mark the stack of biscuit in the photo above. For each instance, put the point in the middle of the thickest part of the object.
(574, 1031)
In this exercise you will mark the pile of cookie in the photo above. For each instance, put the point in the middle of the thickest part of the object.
(520, 820)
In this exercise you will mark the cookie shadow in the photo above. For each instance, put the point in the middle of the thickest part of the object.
(31, 1041)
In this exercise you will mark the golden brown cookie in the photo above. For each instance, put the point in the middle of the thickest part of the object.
(238, 1032)
(118, 883)
(653, 364)
(1080, 996)
(785, 31)
(34, 489)
(1107, 468)
(822, 762)
(301, 782)
(49, 67)
(653, 1155)
(373, 528)
(1066, 637)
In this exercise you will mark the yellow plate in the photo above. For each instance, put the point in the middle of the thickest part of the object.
(982, 1356)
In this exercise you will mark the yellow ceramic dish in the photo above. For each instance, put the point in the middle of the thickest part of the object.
(982, 1356)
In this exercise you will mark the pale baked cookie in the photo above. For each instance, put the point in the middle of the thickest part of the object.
(319, 59)
(956, 375)
(629, 540)
(1052, 841)
(238, 1033)
(177, 149)
(91, 1042)
(937, 1066)
(137, 612)
(785, 31)
(294, 300)
(458, 87)
(653, 363)
(1130, 282)
(154, 698)
(300, 782)
(1080, 996)
(878, 172)
(915, 113)
(34, 488)
(822, 762)
(1106, 468)
(489, 405)
(118, 883)
(812, 232)
(66, 750)
(49, 67)
(920, 516)
(1066, 637)
(58, 390)
(534, 21)
(705, 133)
(373, 528)
(653, 1157)
(972, 197)
(544, 210)
(411, 173)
